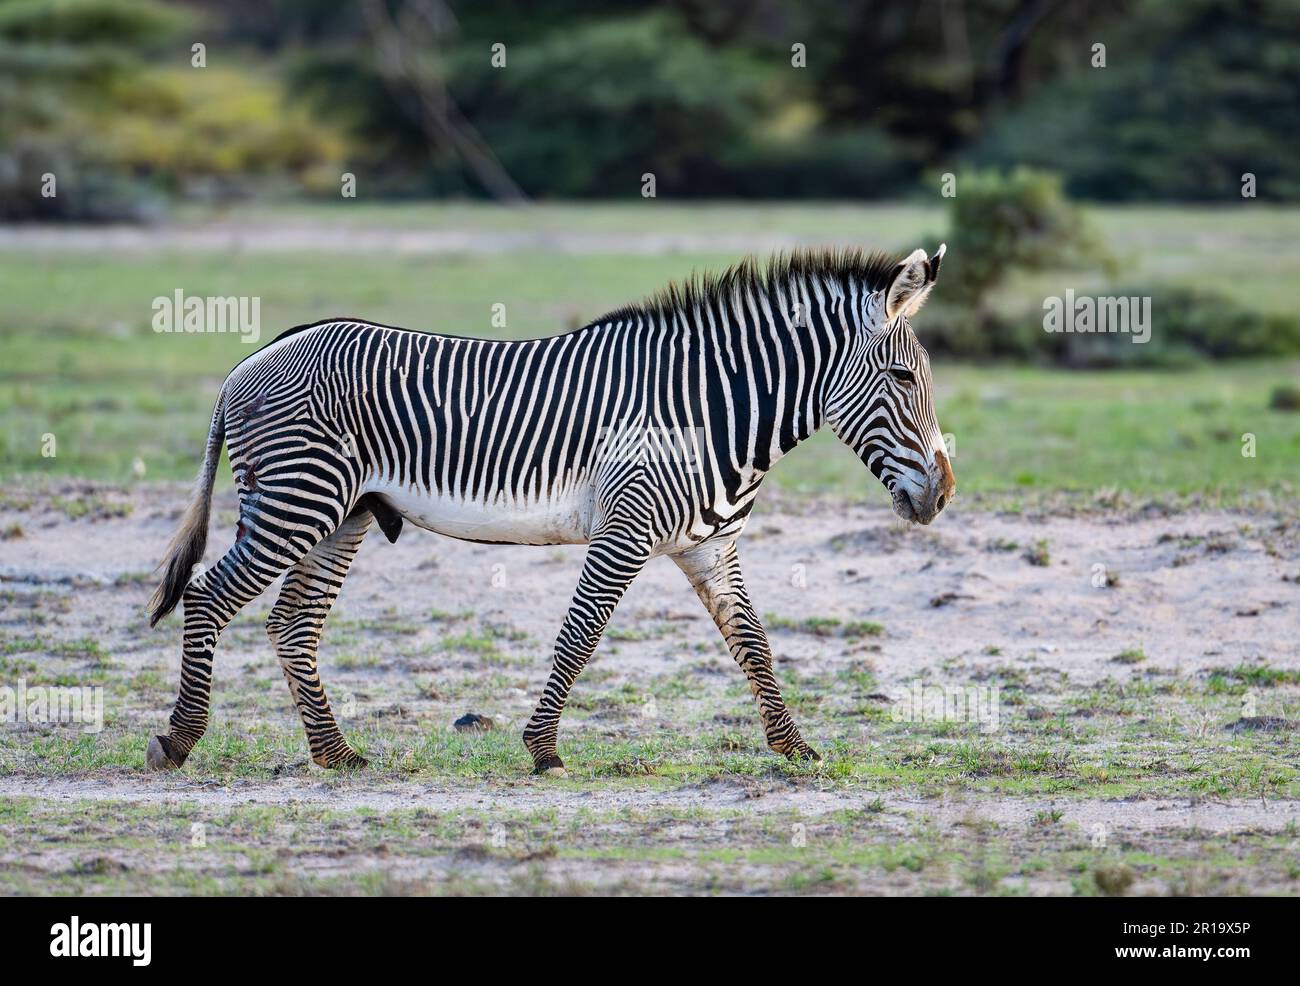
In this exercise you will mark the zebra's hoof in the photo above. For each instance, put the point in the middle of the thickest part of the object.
(551, 767)
(350, 760)
(156, 756)
(803, 754)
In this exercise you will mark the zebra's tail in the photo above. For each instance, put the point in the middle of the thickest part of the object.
(187, 545)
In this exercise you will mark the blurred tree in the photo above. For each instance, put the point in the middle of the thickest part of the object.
(590, 109)
(582, 106)
(101, 94)
(702, 93)
(926, 73)
(1194, 95)
(63, 65)
(411, 62)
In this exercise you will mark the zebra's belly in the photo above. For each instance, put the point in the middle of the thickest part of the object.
(562, 520)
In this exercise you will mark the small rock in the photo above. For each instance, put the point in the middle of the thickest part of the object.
(472, 722)
(944, 598)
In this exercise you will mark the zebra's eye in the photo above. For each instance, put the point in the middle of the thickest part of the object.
(901, 375)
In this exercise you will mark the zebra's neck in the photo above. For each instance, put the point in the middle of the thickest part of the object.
(755, 366)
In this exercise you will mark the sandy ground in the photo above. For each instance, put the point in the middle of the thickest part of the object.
(1194, 585)
(966, 601)
(1150, 814)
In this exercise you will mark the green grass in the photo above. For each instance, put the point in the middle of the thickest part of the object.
(1038, 430)
(1251, 251)
(82, 364)
(184, 847)
(1055, 757)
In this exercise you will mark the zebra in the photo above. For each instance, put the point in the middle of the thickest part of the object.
(343, 423)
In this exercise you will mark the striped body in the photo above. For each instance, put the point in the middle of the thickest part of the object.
(460, 437)
(645, 433)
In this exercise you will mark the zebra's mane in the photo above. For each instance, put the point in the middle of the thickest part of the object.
(751, 275)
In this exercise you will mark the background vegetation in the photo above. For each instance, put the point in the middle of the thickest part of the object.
(1067, 175)
(82, 362)
(592, 95)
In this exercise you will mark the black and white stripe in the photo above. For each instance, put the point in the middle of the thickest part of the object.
(647, 432)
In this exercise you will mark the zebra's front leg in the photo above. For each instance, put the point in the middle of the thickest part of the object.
(714, 571)
(294, 626)
(613, 560)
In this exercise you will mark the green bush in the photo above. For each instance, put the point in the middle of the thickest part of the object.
(1285, 397)
(1000, 223)
(588, 110)
(61, 67)
(1188, 326)
(1005, 224)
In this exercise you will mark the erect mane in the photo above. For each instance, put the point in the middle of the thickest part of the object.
(840, 265)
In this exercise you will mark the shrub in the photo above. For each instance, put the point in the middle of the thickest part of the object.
(1285, 397)
(1188, 325)
(1016, 221)
(1000, 224)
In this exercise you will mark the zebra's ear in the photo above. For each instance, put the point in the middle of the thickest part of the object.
(911, 282)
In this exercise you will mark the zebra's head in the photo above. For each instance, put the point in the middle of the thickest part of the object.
(882, 406)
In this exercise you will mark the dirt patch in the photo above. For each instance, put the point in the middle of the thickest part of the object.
(1135, 815)
(1182, 579)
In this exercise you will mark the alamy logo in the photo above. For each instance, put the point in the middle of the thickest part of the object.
(53, 703)
(650, 444)
(75, 940)
(1087, 314)
(979, 704)
(197, 314)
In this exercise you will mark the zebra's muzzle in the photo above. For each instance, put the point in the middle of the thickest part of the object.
(904, 507)
(922, 506)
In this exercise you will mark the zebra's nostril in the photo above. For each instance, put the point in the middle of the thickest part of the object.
(940, 502)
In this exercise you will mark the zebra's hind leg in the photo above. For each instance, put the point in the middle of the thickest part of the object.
(714, 571)
(211, 601)
(614, 559)
(294, 626)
